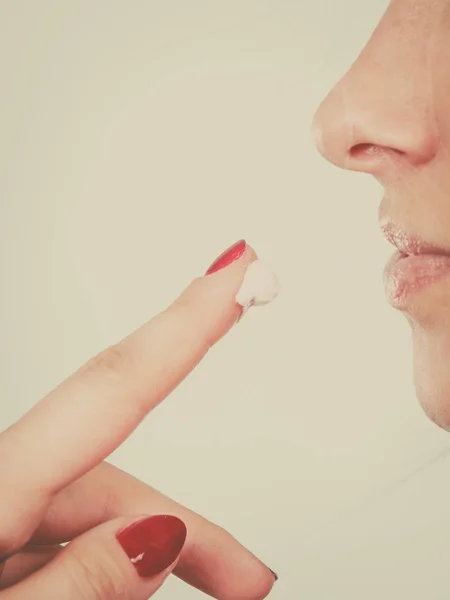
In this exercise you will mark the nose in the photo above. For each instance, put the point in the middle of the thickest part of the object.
(381, 112)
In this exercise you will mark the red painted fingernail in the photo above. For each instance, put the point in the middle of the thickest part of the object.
(227, 257)
(153, 544)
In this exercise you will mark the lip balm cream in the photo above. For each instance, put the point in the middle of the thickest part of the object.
(260, 286)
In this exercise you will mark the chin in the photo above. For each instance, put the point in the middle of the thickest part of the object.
(432, 372)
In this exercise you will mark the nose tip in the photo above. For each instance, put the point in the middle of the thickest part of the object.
(366, 132)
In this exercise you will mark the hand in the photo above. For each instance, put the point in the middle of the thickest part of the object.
(125, 537)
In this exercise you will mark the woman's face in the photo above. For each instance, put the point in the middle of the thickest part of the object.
(390, 117)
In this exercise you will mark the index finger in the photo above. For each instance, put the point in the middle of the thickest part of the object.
(83, 420)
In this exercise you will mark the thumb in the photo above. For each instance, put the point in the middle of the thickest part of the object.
(126, 559)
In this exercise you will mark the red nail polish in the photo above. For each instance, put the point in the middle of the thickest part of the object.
(152, 544)
(227, 257)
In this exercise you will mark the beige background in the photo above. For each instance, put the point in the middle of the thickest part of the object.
(139, 139)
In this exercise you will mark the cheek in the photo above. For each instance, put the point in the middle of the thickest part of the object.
(438, 75)
(432, 373)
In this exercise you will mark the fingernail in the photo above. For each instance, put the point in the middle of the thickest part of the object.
(5, 557)
(260, 286)
(229, 256)
(274, 574)
(153, 544)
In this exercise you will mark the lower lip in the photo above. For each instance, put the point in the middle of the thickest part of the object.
(407, 275)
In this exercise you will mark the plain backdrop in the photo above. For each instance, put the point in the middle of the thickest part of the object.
(138, 140)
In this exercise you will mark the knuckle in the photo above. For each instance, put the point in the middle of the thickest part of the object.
(17, 528)
(111, 362)
(11, 542)
(96, 579)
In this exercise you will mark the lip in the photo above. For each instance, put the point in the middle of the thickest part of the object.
(410, 244)
(416, 265)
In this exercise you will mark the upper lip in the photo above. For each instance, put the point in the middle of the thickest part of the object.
(410, 244)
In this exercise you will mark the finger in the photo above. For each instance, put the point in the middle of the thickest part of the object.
(23, 564)
(87, 416)
(212, 560)
(91, 413)
(126, 559)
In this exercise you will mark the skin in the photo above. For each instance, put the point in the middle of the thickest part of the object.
(389, 117)
(56, 487)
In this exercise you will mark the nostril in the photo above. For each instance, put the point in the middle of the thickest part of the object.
(361, 151)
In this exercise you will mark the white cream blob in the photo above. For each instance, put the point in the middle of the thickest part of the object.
(260, 286)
